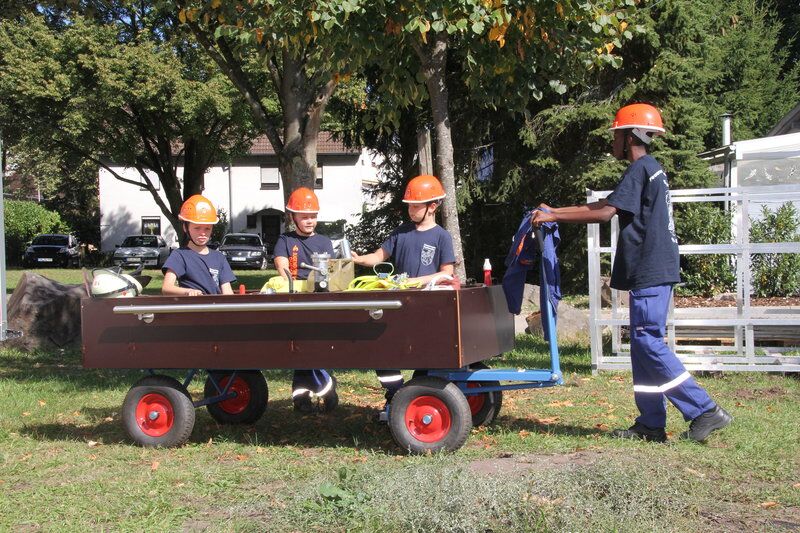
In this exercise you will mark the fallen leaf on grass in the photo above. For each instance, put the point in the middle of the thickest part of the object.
(93, 444)
(42, 403)
(601, 427)
(695, 473)
(547, 421)
(565, 403)
(108, 419)
(524, 433)
(154, 466)
(241, 457)
(92, 457)
(179, 485)
(769, 505)
(26, 413)
(796, 485)
(76, 413)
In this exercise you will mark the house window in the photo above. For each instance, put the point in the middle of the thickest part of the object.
(270, 179)
(251, 221)
(318, 178)
(151, 225)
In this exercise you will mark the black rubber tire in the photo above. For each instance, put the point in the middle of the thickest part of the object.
(227, 412)
(176, 397)
(492, 401)
(454, 403)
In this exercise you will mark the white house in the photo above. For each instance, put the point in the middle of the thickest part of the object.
(249, 191)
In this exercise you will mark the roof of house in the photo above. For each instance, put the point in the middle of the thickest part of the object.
(790, 123)
(326, 145)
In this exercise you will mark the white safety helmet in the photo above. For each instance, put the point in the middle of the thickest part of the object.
(107, 283)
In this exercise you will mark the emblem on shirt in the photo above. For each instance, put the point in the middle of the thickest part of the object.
(214, 274)
(426, 258)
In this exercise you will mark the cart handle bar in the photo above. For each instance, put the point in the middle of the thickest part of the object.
(358, 305)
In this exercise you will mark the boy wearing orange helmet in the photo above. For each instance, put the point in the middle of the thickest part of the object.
(292, 249)
(646, 265)
(196, 268)
(420, 248)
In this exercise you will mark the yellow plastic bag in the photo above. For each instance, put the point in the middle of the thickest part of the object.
(281, 284)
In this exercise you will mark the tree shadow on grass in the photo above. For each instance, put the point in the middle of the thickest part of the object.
(348, 426)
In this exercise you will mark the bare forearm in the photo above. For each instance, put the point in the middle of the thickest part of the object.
(282, 265)
(592, 213)
(378, 256)
(448, 269)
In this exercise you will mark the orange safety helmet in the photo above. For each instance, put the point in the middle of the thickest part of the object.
(198, 209)
(643, 119)
(423, 189)
(303, 200)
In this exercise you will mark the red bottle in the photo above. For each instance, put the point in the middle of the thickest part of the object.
(293, 262)
(487, 272)
(242, 289)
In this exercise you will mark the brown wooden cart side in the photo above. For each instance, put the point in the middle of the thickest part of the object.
(432, 329)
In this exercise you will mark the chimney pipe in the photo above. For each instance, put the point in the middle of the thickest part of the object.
(726, 128)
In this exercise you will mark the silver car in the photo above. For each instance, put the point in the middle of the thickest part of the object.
(147, 250)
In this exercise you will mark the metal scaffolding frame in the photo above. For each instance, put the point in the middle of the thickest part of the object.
(740, 323)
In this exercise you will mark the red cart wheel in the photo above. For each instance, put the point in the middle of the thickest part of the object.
(249, 402)
(429, 414)
(158, 411)
(486, 406)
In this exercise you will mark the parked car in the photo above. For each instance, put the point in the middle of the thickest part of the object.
(244, 250)
(147, 250)
(53, 249)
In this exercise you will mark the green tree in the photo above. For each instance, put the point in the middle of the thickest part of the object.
(298, 51)
(23, 221)
(119, 87)
(695, 60)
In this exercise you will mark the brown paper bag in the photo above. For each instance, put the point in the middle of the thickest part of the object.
(340, 273)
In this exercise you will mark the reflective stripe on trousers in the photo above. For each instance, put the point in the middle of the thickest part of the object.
(318, 382)
(658, 374)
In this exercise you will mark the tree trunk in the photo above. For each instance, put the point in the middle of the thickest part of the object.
(434, 62)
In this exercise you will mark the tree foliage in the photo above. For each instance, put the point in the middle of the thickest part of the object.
(121, 87)
(695, 60)
(23, 221)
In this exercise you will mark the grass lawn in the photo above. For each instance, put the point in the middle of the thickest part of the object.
(546, 465)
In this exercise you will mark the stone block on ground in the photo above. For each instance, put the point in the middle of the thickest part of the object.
(47, 313)
(572, 324)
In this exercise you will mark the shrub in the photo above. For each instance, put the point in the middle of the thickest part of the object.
(776, 274)
(23, 221)
(709, 274)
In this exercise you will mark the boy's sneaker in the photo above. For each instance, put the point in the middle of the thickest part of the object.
(702, 426)
(642, 432)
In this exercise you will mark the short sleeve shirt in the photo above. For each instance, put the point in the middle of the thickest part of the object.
(419, 253)
(647, 249)
(195, 271)
(290, 243)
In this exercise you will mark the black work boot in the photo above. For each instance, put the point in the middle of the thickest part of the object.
(702, 426)
(640, 431)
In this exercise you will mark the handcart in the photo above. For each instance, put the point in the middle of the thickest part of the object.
(445, 335)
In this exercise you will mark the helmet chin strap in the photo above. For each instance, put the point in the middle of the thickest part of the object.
(186, 230)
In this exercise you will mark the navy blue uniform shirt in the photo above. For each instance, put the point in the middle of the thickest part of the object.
(419, 253)
(195, 271)
(647, 249)
(306, 246)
